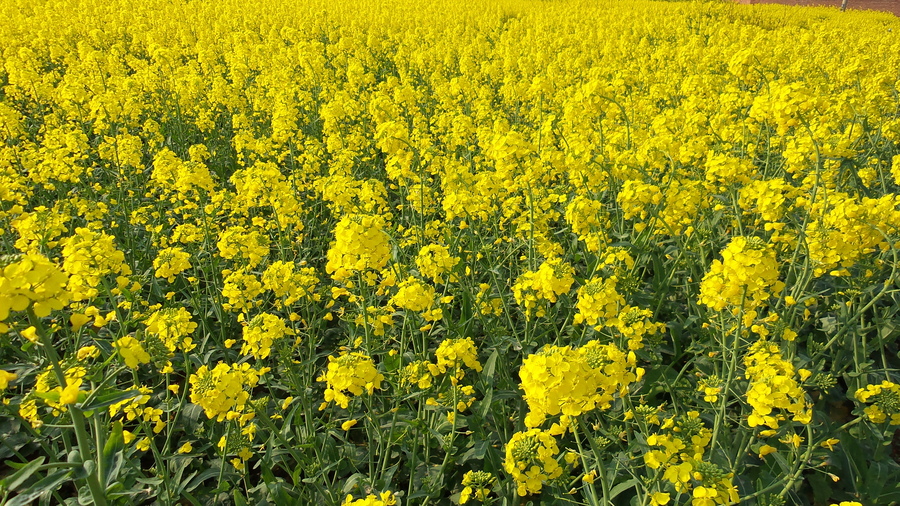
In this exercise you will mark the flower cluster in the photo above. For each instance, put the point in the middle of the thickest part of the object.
(88, 256)
(222, 391)
(435, 261)
(452, 354)
(560, 380)
(415, 295)
(531, 460)
(240, 243)
(746, 276)
(349, 373)
(677, 449)
(241, 288)
(360, 244)
(290, 284)
(476, 485)
(773, 385)
(533, 290)
(132, 352)
(587, 219)
(261, 332)
(173, 326)
(40, 229)
(883, 402)
(33, 281)
(598, 301)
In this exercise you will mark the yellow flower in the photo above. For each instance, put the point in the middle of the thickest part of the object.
(360, 244)
(170, 262)
(78, 320)
(477, 485)
(186, 448)
(659, 499)
(222, 392)
(173, 326)
(382, 499)
(86, 352)
(349, 373)
(748, 273)
(132, 352)
(30, 333)
(766, 449)
(261, 333)
(453, 353)
(143, 445)
(5, 378)
(31, 280)
(829, 443)
(530, 459)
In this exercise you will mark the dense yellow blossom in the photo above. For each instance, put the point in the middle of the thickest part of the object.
(452, 354)
(598, 301)
(223, 390)
(31, 281)
(260, 334)
(349, 373)
(171, 262)
(88, 256)
(474, 216)
(747, 276)
(533, 290)
(773, 385)
(360, 244)
(530, 460)
(174, 327)
(436, 262)
(568, 382)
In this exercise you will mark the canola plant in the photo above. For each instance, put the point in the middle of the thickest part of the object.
(495, 252)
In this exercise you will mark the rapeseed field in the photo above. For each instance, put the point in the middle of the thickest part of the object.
(495, 252)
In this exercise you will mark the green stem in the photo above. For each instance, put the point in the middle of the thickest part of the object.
(84, 445)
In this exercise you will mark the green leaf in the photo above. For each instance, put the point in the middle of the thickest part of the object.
(821, 488)
(47, 484)
(486, 403)
(621, 487)
(13, 481)
(239, 498)
(111, 457)
(488, 370)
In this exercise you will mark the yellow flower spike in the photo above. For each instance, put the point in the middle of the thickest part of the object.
(349, 424)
